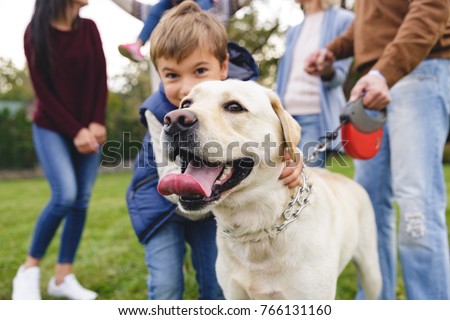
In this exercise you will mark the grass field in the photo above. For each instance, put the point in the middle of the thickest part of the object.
(110, 260)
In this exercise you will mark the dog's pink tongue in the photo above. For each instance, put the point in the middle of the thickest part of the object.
(194, 181)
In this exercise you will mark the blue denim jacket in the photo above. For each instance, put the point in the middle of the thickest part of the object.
(147, 208)
(332, 99)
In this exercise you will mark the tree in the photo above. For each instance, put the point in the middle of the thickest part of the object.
(261, 38)
(347, 4)
(14, 83)
(15, 141)
(122, 118)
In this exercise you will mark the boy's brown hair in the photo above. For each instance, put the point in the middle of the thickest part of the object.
(185, 28)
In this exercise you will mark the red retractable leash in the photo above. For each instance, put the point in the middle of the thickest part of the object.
(361, 133)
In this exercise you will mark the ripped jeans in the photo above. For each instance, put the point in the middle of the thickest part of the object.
(408, 169)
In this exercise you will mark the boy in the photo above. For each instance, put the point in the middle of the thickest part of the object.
(188, 46)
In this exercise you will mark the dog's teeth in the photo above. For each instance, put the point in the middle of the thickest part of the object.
(224, 176)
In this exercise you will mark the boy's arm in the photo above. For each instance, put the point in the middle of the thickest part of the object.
(164, 166)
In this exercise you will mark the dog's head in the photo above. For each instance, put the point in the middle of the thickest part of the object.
(225, 133)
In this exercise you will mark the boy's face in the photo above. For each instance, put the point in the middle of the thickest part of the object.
(178, 78)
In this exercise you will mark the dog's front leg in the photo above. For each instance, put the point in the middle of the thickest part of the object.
(234, 291)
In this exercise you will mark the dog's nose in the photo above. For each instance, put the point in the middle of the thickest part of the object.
(179, 120)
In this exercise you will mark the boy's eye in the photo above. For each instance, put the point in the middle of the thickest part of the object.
(233, 106)
(171, 75)
(200, 70)
(185, 104)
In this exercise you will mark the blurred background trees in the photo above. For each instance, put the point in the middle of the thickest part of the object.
(16, 92)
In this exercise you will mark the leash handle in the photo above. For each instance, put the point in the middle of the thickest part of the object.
(356, 114)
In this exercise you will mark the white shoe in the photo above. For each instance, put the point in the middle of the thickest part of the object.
(70, 289)
(26, 284)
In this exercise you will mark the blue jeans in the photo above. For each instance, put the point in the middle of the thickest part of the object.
(408, 169)
(310, 134)
(71, 176)
(164, 255)
(157, 11)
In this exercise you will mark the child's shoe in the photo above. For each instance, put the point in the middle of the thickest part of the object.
(26, 284)
(132, 51)
(70, 289)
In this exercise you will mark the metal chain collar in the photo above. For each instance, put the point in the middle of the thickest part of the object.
(301, 198)
(290, 214)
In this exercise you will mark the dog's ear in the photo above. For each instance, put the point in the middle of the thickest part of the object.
(290, 127)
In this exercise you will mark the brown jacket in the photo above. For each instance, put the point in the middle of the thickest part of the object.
(394, 36)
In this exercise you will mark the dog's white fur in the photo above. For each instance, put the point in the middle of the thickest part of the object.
(305, 259)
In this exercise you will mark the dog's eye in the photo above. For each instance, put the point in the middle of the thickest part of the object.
(185, 104)
(234, 107)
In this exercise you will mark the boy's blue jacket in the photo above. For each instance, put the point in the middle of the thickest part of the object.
(147, 208)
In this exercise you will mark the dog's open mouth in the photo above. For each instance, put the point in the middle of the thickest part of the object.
(202, 182)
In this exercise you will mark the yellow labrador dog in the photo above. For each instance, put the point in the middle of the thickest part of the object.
(273, 242)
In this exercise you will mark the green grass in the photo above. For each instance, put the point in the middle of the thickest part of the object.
(110, 260)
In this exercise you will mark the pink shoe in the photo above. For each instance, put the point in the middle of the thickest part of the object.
(131, 51)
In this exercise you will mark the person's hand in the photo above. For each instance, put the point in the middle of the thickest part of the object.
(85, 141)
(320, 63)
(99, 131)
(375, 90)
(291, 175)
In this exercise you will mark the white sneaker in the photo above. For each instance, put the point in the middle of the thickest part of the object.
(26, 284)
(70, 289)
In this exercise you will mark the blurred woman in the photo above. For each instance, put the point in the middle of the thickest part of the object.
(315, 102)
(68, 71)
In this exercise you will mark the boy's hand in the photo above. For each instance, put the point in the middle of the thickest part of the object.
(292, 173)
